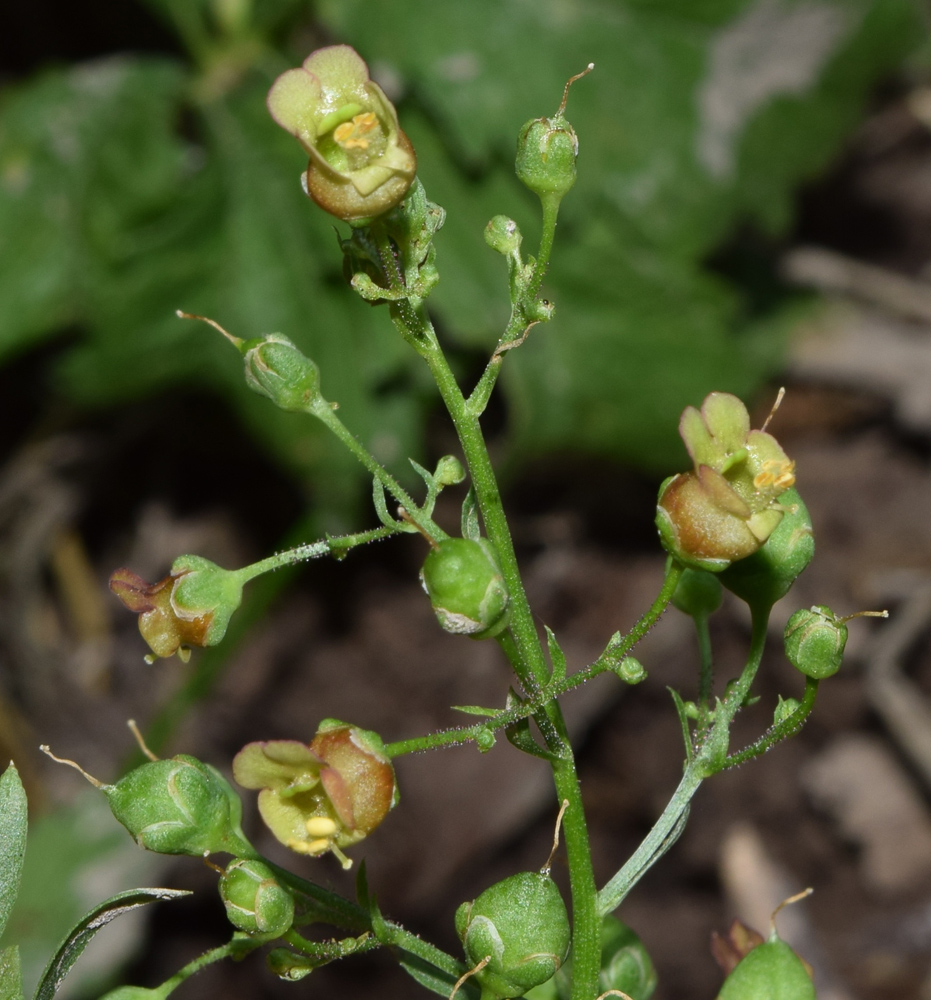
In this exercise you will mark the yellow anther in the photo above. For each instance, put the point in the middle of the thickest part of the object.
(352, 134)
(318, 846)
(776, 473)
(321, 826)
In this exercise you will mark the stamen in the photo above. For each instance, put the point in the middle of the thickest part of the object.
(352, 134)
(321, 826)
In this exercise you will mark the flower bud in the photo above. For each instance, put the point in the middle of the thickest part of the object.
(190, 607)
(727, 507)
(361, 163)
(815, 641)
(698, 593)
(767, 576)
(630, 670)
(503, 235)
(277, 369)
(521, 925)
(448, 471)
(254, 899)
(179, 806)
(323, 796)
(466, 587)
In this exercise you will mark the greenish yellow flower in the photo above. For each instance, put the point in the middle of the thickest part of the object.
(361, 163)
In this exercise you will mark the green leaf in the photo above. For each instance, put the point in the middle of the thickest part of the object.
(13, 823)
(11, 974)
(434, 979)
(77, 940)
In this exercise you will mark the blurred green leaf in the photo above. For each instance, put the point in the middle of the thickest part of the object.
(13, 821)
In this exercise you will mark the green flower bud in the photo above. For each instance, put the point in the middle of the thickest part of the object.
(503, 235)
(631, 670)
(361, 163)
(770, 971)
(767, 576)
(522, 927)
(466, 587)
(254, 899)
(815, 641)
(449, 471)
(323, 796)
(728, 506)
(190, 607)
(698, 593)
(179, 806)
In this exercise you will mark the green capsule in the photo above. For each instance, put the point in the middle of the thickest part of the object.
(815, 641)
(466, 587)
(179, 806)
(547, 149)
(767, 575)
(275, 368)
(521, 926)
(625, 963)
(771, 971)
(254, 899)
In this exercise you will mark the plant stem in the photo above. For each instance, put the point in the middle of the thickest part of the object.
(775, 734)
(706, 672)
(324, 412)
(236, 948)
(550, 214)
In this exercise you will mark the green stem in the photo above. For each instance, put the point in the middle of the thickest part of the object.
(706, 672)
(550, 214)
(324, 412)
(329, 951)
(237, 948)
(313, 550)
(523, 308)
(782, 731)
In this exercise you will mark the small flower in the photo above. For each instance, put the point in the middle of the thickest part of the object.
(323, 796)
(191, 606)
(728, 506)
(361, 163)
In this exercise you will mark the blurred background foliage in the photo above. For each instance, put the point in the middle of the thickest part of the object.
(137, 184)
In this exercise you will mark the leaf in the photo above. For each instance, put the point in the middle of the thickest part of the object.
(520, 736)
(11, 974)
(557, 656)
(434, 979)
(13, 824)
(77, 940)
(470, 526)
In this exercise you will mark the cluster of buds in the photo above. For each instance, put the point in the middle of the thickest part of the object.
(322, 796)
(361, 163)
(727, 507)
